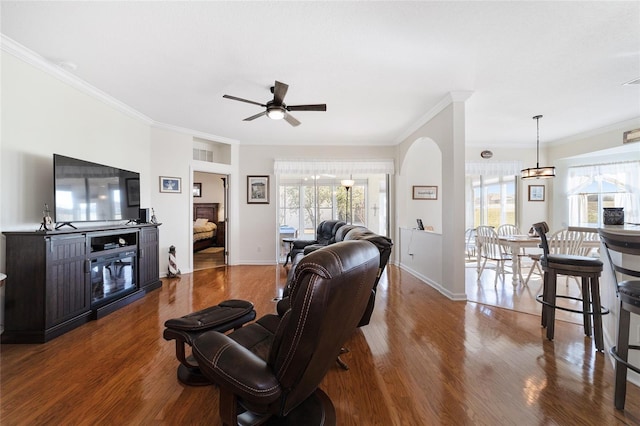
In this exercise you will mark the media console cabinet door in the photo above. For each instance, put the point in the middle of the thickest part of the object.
(66, 289)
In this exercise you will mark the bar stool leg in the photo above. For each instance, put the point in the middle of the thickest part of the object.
(623, 352)
(545, 298)
(597, 313)
(551, 312)
(586, 305)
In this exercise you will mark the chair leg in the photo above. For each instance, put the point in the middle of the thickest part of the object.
(551, 312)
(586, 306)
(622, 350)
(597, 313)
(536, 265)
(545, 298)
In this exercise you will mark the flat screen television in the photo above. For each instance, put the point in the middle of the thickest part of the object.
(91, 192)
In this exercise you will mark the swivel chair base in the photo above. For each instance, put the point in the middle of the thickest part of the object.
(317, 410)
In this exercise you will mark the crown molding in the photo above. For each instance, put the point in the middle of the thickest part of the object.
(26, 55)
(621, 126)
(194, 133)
(19, 51)
(448, 99)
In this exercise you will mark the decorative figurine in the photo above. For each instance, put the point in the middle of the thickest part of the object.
(47, 222)
(153, 216)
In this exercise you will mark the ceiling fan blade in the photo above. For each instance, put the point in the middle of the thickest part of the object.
(243, 100)
(279, 92)
(253, 117)
(317, 107)
(291, 120)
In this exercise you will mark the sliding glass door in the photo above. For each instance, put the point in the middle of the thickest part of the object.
(305, 201)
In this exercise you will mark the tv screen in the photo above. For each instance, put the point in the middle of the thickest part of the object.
(86, 192)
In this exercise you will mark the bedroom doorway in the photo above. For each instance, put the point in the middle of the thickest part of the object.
(209, 236)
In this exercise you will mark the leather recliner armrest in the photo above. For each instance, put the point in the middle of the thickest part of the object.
(235, 367)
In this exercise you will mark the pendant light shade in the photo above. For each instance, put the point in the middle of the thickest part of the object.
(538, 172)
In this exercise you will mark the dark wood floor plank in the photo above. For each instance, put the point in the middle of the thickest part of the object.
(423, 359)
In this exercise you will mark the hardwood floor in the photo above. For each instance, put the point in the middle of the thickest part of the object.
(208, 260)
(423, 360)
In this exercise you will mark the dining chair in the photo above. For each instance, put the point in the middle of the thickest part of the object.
(490, 249)
(470, 243)
(507, 230)
(560, 242)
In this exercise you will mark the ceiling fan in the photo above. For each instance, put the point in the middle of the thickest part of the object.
(276, 109)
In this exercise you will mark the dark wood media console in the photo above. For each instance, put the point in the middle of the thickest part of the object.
(59, 280)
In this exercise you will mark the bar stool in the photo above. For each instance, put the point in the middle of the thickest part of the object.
(629, 293)
(589, 269)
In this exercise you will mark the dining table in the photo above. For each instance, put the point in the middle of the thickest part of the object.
(517, 244)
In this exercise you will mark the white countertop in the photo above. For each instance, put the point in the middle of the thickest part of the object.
(627, 228)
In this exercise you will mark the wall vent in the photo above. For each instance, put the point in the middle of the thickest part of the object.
(203, 155)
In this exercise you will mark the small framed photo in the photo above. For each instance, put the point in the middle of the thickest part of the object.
(422, 192)
(197, 189)
(536, 192)
(257, 189)
(170, 184)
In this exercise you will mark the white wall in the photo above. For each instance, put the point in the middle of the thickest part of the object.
(212, 190)
(41, 116)
(259, 221)
(422, 166)
(446, 129)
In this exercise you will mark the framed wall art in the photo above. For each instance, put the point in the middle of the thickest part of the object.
(170, 184)
(197, 189)
(257, 189)
(422, 192)
(536, 192)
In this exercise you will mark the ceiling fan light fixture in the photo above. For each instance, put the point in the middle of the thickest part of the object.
(275, 113)
(538, 172)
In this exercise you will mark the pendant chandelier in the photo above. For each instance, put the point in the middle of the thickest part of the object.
(538, 172)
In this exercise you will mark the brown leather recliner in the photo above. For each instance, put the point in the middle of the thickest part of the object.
(325, 235)
(348, 233)
(274, 365)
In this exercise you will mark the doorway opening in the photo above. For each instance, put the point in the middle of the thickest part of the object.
(209, 220)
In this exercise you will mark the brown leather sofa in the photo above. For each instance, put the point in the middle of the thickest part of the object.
(346, 233)
(274, 365)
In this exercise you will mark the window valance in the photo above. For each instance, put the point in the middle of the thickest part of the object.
(493, 168)
(335, 167)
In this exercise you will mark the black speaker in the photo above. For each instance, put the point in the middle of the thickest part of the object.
(144, 216)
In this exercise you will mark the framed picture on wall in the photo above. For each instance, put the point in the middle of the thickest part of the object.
(536, 192)
(170, 184)
(421, 192)
(197, 189)
(257, 189)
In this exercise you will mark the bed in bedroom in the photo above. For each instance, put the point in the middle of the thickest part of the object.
(205, 219)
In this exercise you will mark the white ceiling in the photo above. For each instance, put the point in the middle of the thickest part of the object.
(379, 66)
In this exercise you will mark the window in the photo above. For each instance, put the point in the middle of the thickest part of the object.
(493, 200)
(305, 202)
(594, 187)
